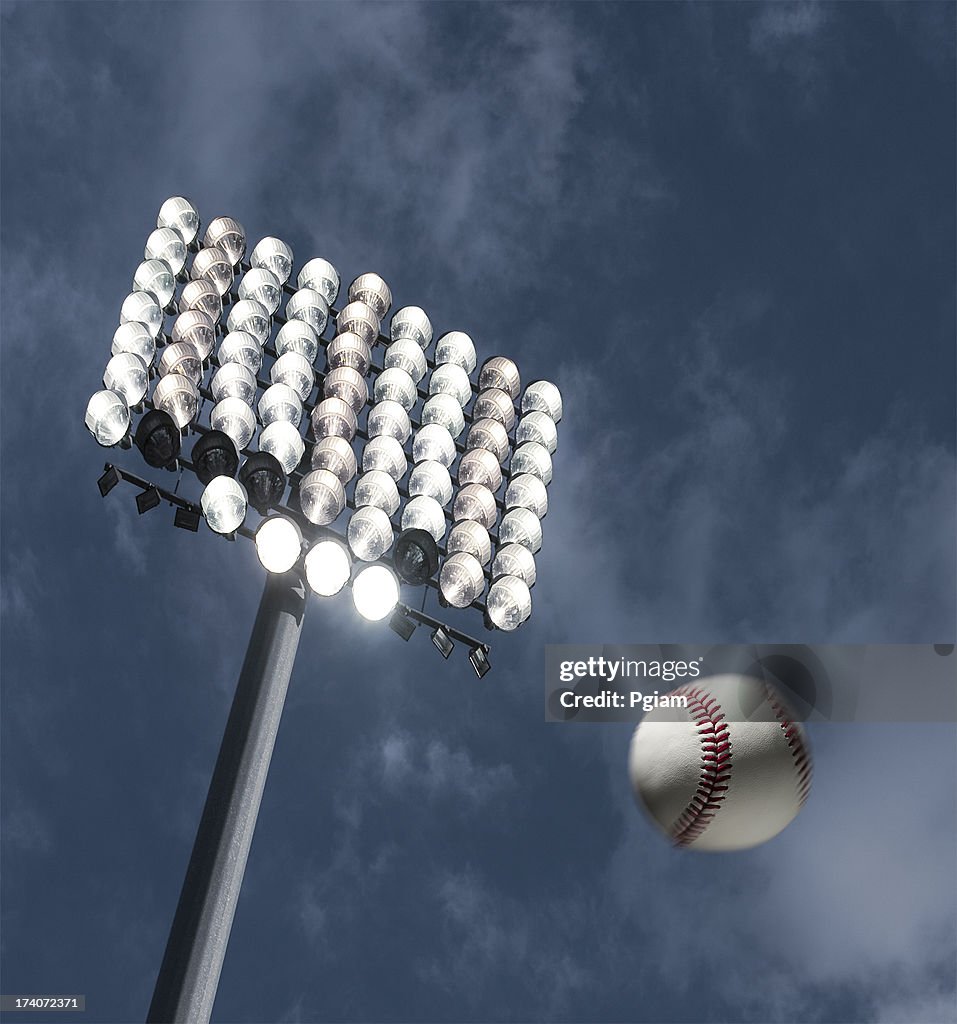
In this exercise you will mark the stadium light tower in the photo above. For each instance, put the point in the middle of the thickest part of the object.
(428, 510)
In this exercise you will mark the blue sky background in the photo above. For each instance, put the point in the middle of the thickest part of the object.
(727, 233)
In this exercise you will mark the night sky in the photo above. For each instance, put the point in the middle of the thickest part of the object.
(727, 233)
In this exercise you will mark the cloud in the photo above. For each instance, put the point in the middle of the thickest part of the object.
(441, 771)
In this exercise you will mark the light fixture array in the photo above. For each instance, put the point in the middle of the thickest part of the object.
(445, 477)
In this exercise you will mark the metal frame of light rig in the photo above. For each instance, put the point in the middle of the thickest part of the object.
(222, 319)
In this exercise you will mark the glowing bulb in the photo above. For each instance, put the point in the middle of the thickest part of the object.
(375, 592)
(278, 544)
(327, 568)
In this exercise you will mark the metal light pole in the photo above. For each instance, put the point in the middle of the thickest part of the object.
(484, 561)
(188, 978)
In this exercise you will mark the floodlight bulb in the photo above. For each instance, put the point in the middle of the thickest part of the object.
(201, 294)
(449, 379)
(532, 457)
(373, 291)
(336, 455)
(446, 411)
(197, 328)
(395, 385)
(379, 489)
(424, 513)
(213, 265)
(543, 396)
(499, 372)
(389, 419)
(514, 560)
(107, 417)
(358, 318)
(167, 245)
(155, 278)
(321, 497)
(278, 544)
(235, 418)
(182, 357)
(375, 591)
(126, 374)
(433, 443)
(333, 417)
(224, 504)
(298, 336)
(283, 440)
(274, 255)
(241, 347)
(310, 306)
(348, 385)
(488, 434)
(509, 603)
(327, 568)
(480, 466)
(387, 454)
(475, 501)
(322, 276)
(370, 533)
(348, 349)
(412, 322)
(405, 354)
(461, 579)
(471, 537)
(537, 427)
(233, 380)
(295, 371)
(182, 216)
(433, 480)
(263, 286)
(520, 526)
(134, 337)
(494, 404)
(527, 491)
(229, 235)
(249, 315)
(280, 402)
(456, 347)
(141, 307)
(178, 396)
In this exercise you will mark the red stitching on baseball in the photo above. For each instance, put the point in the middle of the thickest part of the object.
(715, 765)
(799, 752)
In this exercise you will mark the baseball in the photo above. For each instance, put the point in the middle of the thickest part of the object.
(727, 772)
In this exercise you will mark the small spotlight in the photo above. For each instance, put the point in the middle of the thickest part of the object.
(186, 519)
(108, 481)
(147, 499)
(402, 624)
(478, 656)
(443, 642)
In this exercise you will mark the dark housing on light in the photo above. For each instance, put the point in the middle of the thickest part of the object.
(416, 556)
(264, 480)
(158, 439)
(214, 454)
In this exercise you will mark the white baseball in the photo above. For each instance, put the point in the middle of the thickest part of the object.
(727, 772)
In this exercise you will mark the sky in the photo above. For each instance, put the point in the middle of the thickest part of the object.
(727, 233)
